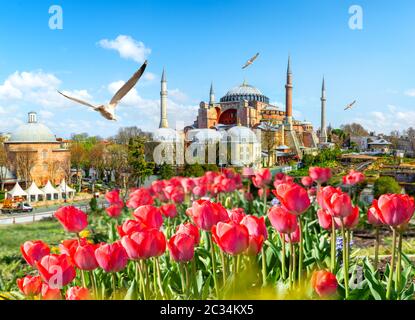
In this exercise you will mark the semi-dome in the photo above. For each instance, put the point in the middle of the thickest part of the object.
(244, 92)
(32, 132)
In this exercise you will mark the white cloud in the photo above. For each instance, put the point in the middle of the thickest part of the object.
(36, 88)
(148, 76)
(178, 96)
(394, 118)
(127, 47)
(410, 92)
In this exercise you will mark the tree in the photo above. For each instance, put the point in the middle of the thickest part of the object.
(54, 166)
(124, 135)
(385, 185)
(3, 165)
(165, 171)
(25, 161)
(354, 129)
(140, 168)
(116, 162)
(78, 155)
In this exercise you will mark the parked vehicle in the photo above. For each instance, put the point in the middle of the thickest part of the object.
(10, 207)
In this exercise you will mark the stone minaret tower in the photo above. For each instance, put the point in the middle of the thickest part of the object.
(323, 129)
(163, 102)
(289, 97)
(211, 95)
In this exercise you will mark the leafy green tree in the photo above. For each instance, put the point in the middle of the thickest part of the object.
(193, 170)
(165, 171)
(386, 185)
(140, 168)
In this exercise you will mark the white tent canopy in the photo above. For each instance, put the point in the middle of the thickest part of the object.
(50, 191)
(17, 191)
(34, 192)
(64, 188)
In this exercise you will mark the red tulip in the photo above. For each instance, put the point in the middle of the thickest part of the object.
(210, 176)
(232, 238)
(336, 202)
(115, 210)
(139, 197)
(262, 178)
(325, 219)
(294, 237)
(181, 247)
(205, 214)
(111, 257)
(158, 185)
(174, 193)
(373, 215)
(56, 270)
(33, 251)
(113, 196)
(84, 257)
(200, 190)
(395, 209)
(281, 178)
(257, 233)
(282, 220)
(72, 219)
(354, 177)
(149, 216)
(131, 226)
(187, 184)
(324, 283)
(293, 197)
(249, 196)
(307, 181)
(320, 175)
(350, 222)
(77, 293)
(144, 245)
(29, 285)
(50, 294)
(190, 230)
(236, 214)
(169, 210)
(68, 247)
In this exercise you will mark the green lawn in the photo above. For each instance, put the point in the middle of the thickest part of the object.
(11, 237)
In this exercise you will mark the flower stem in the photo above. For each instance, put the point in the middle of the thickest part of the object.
(140, 271)
(301, 253)
(398, 264)
(212, 252)
(94, 287)
(345, 264)
(290, 269)
(222, 256)
(333, 246)
(114, 285)
(182, 277)
(392, 266)
(283, 257)
(377, 248)
(264, 267)
(159, 277)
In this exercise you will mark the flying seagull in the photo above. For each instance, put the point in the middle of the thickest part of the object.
(349, 106)
(250, 61)
(108, 110)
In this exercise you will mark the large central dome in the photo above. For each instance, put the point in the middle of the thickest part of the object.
(32, 132)
(244, 92)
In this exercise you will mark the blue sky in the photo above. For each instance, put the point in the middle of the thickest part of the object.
(203, 41)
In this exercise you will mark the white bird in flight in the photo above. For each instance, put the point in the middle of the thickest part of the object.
(349, 106)
(250, 61)
(108, 110)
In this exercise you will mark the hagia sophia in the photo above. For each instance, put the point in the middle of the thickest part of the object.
(247, 107)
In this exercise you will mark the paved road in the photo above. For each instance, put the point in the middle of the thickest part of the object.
(40, 213)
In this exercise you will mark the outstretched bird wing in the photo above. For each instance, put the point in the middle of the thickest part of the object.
(250, 61)
(128, 85)
(349, 106)
(78, 100)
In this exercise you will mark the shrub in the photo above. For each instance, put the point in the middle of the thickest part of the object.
(165, 171)
(386, 185)
(93, 204)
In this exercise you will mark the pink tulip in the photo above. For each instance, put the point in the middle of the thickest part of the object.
(232, 238)
(282, 220)
(293, 197)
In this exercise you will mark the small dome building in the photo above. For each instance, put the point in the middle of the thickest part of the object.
(35, 155)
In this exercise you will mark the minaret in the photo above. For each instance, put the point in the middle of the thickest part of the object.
(323, 129)
(163, 102)
(289, 97)
(211, 95)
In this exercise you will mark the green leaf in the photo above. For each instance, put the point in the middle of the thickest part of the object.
(376, 288)
(132, 293)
